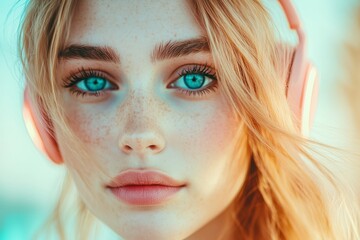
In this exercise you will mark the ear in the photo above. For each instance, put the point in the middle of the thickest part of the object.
(40, 129)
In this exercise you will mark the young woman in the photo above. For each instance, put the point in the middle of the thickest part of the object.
(177, 119)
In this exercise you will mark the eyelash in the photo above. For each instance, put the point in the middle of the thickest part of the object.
(205, 70)
(83, 74)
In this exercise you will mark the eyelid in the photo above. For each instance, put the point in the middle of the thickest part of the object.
(179, 71)
(199, 68)
(204, 69)
(82, 73)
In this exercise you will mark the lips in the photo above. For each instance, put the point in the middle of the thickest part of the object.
(136, 187)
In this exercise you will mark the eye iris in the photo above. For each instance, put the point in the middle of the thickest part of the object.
(95, 84)
(194, 81)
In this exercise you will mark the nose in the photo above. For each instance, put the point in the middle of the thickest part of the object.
(141, 143)
(140, 133)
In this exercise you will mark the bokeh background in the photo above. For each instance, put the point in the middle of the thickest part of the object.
(29, 184)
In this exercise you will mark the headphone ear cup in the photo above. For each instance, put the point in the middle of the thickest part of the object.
(302, 89)
(39, 127)
(309, 99)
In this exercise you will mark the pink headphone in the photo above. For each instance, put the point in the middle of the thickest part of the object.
(302, 92)
(303, 82)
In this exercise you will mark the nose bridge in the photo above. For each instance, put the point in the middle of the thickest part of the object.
(140, 109)
(141, 133)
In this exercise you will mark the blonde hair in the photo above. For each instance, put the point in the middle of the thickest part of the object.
(281, 197)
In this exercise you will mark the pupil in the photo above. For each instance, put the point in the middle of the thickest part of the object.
(194, 81)
(95, 84)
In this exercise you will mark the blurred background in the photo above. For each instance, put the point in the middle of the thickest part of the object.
(29, 184)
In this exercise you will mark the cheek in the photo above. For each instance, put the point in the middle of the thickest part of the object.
(91, 127)
(219, 131)
(210, 134)
(207, 148)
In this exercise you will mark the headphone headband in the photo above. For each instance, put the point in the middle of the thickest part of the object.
(293, 19)
(291, 15)
(303, 81)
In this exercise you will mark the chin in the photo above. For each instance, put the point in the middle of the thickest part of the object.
(160, 232)
(154, 234)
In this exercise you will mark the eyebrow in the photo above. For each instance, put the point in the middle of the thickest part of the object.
(80, 51)
(162, 51)
(173, 49)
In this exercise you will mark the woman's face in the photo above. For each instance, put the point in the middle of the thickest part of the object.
(140, 91)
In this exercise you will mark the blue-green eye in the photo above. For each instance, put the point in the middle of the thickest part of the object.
(93, 84)
(195, 80)
(88, 82)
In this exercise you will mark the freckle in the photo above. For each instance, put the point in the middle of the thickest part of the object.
(107, 131)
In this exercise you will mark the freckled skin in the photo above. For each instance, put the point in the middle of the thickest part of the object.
(194, 136)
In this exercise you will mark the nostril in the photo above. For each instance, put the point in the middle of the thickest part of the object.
(127, 148)
(153, 147)
(141, 143)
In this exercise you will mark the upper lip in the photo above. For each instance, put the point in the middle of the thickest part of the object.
(141, 177)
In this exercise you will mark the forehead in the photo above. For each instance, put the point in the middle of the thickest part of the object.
(135, 22)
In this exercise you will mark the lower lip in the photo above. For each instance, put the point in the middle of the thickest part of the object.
(145, 194)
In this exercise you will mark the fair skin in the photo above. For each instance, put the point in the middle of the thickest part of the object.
(140, 121)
